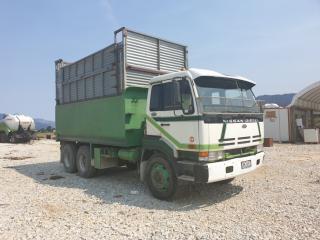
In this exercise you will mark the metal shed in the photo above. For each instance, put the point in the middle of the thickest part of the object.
(308, 98)
(305, 105)
(302, 113)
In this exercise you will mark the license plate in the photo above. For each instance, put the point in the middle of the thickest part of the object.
(245, 164)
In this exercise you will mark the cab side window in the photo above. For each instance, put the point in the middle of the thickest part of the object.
(156, 98)
(168, 96)
(174, 95)
(163, 97)
(185, 97)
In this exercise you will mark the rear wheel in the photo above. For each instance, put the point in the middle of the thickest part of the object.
(84, 162)
(68, 158)
(160, 177)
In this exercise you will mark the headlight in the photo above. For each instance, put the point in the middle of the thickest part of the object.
(211, 156)
(260, 148)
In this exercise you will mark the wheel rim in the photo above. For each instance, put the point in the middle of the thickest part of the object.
(82, 162)
(160, 177)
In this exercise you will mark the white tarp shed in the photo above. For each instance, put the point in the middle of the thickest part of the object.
(308, 98)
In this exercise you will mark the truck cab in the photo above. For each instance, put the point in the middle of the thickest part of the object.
(202, 126)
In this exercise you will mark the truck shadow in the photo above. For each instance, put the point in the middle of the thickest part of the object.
(119, 185)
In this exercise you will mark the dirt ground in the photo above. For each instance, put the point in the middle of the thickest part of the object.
(38, 200)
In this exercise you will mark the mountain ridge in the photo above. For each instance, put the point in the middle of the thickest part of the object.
(282, 100)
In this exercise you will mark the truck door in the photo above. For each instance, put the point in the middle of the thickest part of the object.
(172, 113)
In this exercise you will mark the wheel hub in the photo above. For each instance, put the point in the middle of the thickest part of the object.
(160, 177)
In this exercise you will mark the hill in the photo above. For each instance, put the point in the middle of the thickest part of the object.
(42, 123)
(282, 100)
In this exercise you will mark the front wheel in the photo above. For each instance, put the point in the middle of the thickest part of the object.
(161, 178)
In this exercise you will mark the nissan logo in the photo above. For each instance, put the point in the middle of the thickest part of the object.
(244, 125)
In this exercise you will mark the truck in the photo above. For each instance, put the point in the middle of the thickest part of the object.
(16, 128)
(136, 103)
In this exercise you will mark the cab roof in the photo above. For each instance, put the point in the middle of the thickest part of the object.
(194, 73)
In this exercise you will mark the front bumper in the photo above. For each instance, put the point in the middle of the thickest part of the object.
(218, 171)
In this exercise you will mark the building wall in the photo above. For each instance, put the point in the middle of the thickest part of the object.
(276, 124)
(306, 116)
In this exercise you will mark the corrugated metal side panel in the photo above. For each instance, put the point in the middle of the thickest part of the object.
(142, 51)
(66, 93)
(91, 77)
(138, 79)
(150, 56)
(98, 85)
(103, 74)
(172, 57)
(89, 88)
(73, 91)
(81, 90)
(109, 83)
(80, 70)
(59, 80)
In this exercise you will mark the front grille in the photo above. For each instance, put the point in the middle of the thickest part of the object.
(239, 140)
(226, 144)
(240, 152)
(248, 139)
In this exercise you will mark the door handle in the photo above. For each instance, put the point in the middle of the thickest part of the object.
(153, 114)
(164, 124)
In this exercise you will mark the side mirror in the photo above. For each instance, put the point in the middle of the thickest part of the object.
(188, 110)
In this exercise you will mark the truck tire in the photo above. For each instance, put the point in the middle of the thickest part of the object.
(160, 177)
(84, 162)
(68, 158)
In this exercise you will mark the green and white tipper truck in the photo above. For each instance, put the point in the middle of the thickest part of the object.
(136, 103)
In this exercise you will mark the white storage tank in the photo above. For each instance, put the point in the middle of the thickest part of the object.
(14, 121)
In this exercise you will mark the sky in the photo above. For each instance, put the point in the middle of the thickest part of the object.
(275, 43)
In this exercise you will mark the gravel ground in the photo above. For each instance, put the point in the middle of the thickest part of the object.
(38, 200)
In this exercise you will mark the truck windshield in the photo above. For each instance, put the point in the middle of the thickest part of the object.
(225, 95)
